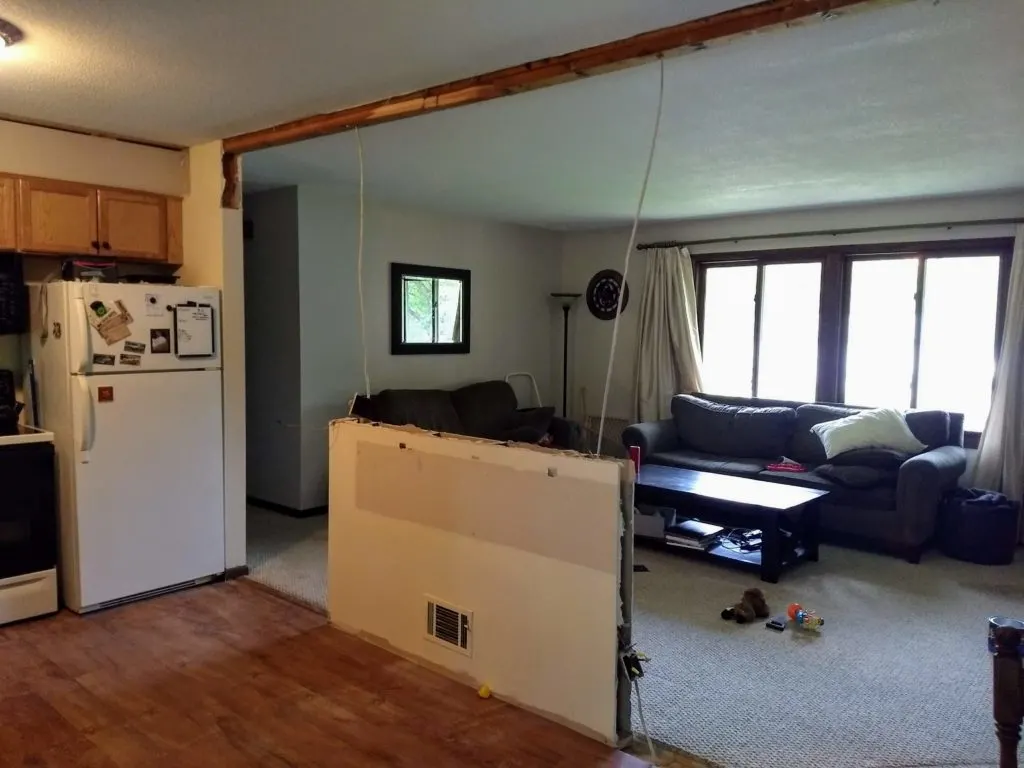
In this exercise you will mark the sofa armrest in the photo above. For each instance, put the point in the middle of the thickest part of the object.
(566, 434)
(923, 479)
(652, 437)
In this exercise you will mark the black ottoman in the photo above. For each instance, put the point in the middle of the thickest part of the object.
(979, 527)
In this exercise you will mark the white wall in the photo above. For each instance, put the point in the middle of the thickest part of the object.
(513, 271)
(272, 360)
(468, 520)
(585, 253)
(28, 150)
(213, 256)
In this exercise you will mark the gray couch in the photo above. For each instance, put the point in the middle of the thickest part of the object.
(878, 499)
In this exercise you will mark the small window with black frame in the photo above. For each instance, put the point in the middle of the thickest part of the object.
(430, 310)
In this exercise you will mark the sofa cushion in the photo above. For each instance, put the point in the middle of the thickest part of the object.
(706, 462)
(930, 427)
(874, 428)
(809, 479)
(879, 497)
(528, 426)
(731, 430)
(486, 408)
(805, 446)
(858, 476)
(425, 408)
(878, 458)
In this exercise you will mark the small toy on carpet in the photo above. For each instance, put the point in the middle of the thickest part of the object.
(803, 618)
(752, 606)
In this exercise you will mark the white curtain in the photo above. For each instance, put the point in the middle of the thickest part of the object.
(1000, 464)
(668, 352)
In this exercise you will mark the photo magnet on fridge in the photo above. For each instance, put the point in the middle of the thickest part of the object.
(135, 360)
(160, 341)
(103, 360)
(136, 347)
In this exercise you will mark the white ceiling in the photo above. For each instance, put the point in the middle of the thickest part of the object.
(187, 71)
(906, 101)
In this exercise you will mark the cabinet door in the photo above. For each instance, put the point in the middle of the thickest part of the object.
(8, 224)
(175, 232)
(56, 217)
(133, 225)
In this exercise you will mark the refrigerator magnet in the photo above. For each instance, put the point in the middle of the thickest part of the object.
(135, 347)
(153, 306)
(134, 360)
(103, 360)
(160, 341)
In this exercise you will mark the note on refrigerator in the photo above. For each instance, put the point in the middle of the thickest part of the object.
(193, 330)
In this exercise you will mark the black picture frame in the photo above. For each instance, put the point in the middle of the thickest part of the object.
(400, 271)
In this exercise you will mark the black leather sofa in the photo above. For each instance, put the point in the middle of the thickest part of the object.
(487, 409)
(877, 499)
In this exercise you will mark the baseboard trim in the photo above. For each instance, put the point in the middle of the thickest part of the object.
(236, 572)
(282, 509)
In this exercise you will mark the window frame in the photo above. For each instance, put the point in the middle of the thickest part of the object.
(744, 260)
(399, 273)
(833, 313)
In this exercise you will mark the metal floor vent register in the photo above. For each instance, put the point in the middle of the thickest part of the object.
(449, 626)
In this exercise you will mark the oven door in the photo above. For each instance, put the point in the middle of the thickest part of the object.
(28, 516)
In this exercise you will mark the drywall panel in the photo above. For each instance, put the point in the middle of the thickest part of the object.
(29, 150)
(585, 253)
(439, 484)
(213, 256)
(419, 520)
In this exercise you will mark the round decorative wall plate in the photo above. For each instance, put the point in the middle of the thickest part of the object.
(603, 294)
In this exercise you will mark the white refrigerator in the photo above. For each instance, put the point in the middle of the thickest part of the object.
(129, 382)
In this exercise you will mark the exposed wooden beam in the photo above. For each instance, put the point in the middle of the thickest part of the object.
(230, 197)
(543, 73)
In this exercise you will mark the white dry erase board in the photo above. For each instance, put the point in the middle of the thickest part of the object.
(193, 330)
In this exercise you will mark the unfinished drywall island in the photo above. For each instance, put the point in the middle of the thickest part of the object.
(509, 556)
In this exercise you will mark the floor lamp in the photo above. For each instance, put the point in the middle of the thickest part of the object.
(565, 300)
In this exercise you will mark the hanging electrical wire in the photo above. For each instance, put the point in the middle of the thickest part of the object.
(359, 264)
(629, 251)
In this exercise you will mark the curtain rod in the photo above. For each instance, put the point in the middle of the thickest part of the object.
(827, 232)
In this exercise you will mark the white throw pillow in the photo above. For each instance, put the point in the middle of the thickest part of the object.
(877, 428)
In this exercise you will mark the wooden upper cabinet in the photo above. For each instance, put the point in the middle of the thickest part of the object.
(56, 217)
(8, 222)
(132, 225)
(175, 232)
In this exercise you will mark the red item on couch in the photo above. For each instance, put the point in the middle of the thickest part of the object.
(786, 466)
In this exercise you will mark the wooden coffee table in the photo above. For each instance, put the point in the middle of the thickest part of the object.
(786, 514)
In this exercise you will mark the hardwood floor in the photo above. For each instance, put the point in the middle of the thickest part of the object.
(229, 675)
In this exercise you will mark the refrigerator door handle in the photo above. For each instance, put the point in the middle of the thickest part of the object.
(82, 341)
(85, 425)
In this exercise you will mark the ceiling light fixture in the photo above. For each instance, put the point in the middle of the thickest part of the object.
(9, 34)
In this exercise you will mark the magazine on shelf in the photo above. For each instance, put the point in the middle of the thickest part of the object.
(694, 530)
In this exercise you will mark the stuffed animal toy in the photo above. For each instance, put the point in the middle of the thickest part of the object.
(752, 606)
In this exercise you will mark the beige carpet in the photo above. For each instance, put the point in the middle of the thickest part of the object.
(289, 555)
(899, 677)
